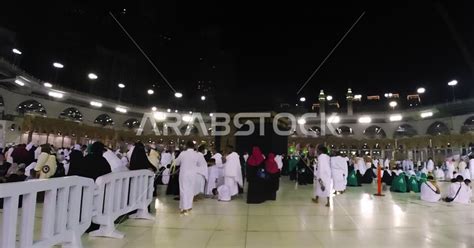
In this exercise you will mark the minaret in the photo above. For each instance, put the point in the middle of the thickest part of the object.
(349, 98)
(322, 111)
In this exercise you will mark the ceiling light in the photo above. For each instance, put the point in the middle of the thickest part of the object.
(47, 85)
(178, 94)
(55, 94)
(159, 116)
(358, 97)
(393, 104)
(426, 114)
(58, 65)
(16, 51)
(187, 118)
(92, 76)
(121, 109)
(453, 83)
(329, 98)
(365, 119)
(334, 119)
(203, 98)
(396, 117)
(96, 104)
(150, 92)
(302, 99)
(421, 90)
(121, 86)
(19, 82)
(301, 121)
(168, 110)
(153, 109)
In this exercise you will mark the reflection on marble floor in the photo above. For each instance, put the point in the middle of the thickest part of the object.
(355, 219)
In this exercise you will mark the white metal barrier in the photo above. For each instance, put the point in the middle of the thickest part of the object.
(66, 214)
(119, 193)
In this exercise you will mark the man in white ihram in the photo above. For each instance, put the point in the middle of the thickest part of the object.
(339, 173)
(232, 176)
(322, 176)
(188, 160)
(201, 173)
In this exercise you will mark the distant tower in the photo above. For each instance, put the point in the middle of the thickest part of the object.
(322, 111)
(349, 98)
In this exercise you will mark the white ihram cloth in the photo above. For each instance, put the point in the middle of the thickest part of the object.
(360, 165)
(187, 174)
(430, 165)
(223, 193)
(165, 176)
(279, 161)
(220, 168)
(428, 192)
(212, 179)
(233, 173)
(114, 161)
(464, 195)
(322, 173)
(166, 158)
(471, 168)
(339, 173)
(450, 171)
(439, 174)
(8, 155)
(201, 175)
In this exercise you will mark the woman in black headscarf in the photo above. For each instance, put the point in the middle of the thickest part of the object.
(139, 159)
(94, 164)
(76, 158)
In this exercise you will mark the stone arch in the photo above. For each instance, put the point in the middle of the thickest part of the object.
(72, 114)
(345, 131)
(374, 132)
(405, 130)
(104, 120)
(131, 123)
(31, 107)
(437, 128)
(468, 126)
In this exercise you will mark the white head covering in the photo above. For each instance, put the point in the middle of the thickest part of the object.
(77, 147)
(29, 146)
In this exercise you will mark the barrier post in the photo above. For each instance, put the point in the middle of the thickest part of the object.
(379, 180)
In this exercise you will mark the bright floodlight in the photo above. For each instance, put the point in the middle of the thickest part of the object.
(211, 114)
(150, 92)
(302, 99)
(453, 83)
(58, 65)
(187, 118)
(16, 51)
(168, 110)
(121, 86)
(48, 85)
(176, 111)
(121, 109)
(19, 82)
(365, 119)
(386, 95)
(329, 98)
(55, 94)
(358, 97)
(301, 121)
(153, 109)
(334, 119)
(426, 114)
(393, 104)
(396, 117)
(159, 116)
(178, 94)
(421, 90)
(203, 98)
(96, 104)
(92, 76)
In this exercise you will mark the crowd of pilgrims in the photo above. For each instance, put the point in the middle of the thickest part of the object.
(193, 173)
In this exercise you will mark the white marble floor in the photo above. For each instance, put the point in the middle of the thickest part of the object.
(355, 219)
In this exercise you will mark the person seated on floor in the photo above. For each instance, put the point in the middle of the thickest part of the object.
(399, 183)
(438, 173)
(459, 191)
(413, 184)
(430, 191)
(387, 176)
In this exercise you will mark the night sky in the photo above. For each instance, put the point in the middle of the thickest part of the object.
(255, 56)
